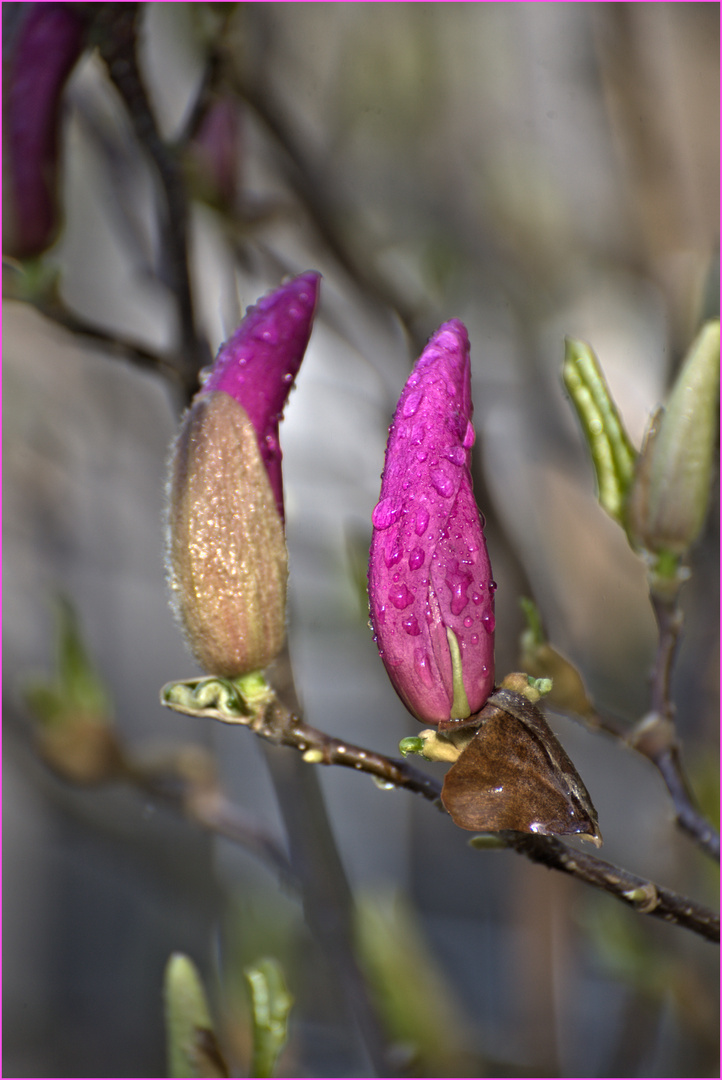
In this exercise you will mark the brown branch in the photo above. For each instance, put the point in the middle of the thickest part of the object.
(655, 739)
(280, 726)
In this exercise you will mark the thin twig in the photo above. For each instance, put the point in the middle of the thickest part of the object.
(115, 25)
(280, 726)
(656, 740)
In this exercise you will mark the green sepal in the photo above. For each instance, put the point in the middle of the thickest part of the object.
(411, 744)
(192, 1045)
(233, 701)
(270, 1006)
(460, 707)
(612, 453)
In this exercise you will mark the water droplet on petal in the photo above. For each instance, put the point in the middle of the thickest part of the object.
(474, 639)
(476, 597)
(423, 666)
(400, 596)
(468, 621)
(459, 599)
(421, 455)
(393, 554)
(469, 436)
(386, 512)
(456, 455)
(488, 621)
(411, 404)
(493, 586)
(416, 558)
(422, 521)
(411, 626)
(442, 483)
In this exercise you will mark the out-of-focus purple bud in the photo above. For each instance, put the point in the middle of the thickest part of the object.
(49, 43)
(431, 591)
(228, 564)
(215, 153)
(258, 364)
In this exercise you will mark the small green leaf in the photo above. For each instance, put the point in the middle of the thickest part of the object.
(411, 744)
(192, 1044)
(270, 1006)
(612, 453)
(534, 633)
(77, 690)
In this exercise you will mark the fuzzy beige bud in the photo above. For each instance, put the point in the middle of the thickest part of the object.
(227, 551)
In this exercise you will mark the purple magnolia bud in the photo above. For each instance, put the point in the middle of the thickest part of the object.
(226, 546)
(258, 364)
(430, 586)
(49, 43)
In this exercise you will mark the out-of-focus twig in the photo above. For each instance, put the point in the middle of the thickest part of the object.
(115, 29)
(322, 206)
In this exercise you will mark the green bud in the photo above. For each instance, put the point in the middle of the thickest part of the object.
(612, 453)
(270, 1005)
(192, 1046)
(669, 499)
(227, 551)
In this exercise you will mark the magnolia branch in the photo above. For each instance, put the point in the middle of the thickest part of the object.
(277, 724)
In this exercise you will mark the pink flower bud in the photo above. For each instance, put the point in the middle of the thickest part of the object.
(258, 364)
(430, 586)
(227, 549)
(48, 46)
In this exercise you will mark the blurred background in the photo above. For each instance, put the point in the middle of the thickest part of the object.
(535, 170)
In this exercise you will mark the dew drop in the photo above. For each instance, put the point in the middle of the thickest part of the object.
(476, 597)
(488, 621)
(422, 521)
(469, 436)
(421, 455)
(400, 596)
(442, 483)
(459, 599)
(381, 616)
(456, 455)
(411, 404)
(269, 334)
(416, 558)
(493, 586)
(411, 626)
(393, 554)
(417, 435)
(386, 512)
(474, 639)
(468, 621)
(423, 666)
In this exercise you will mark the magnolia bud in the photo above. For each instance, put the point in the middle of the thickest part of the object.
(669, 499)
(227, 550)
(431, 592)
(49, 43)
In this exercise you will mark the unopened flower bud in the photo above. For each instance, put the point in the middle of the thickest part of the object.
(49, 42)
(258, 364)
(431, 591)
(670, 496)
(227, 549)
